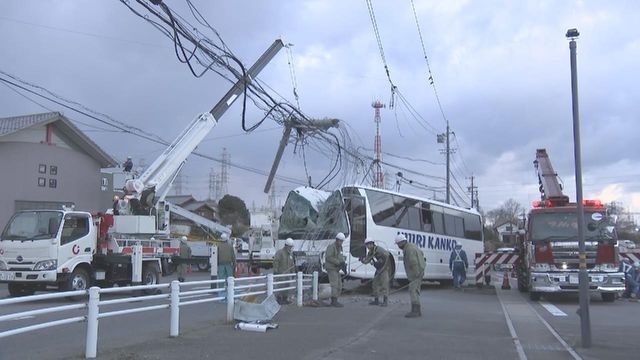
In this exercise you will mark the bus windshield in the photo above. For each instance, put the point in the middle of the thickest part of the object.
(32, 225)
(313, 215)
(558, 226)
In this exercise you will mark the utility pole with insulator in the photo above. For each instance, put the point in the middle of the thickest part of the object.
(378, 174)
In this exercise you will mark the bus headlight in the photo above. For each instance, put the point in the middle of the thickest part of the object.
(46, 265)
(3, 265)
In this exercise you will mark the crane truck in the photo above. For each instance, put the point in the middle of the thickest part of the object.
(549, 251)
(71, 250)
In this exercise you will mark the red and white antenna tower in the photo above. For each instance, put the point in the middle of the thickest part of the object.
(378, 175)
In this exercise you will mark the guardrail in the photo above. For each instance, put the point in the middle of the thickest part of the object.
(179, 296)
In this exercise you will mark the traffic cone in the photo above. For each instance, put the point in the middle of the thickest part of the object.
(505, 281)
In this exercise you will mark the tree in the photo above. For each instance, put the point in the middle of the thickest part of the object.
(510, 211)
(233, 211)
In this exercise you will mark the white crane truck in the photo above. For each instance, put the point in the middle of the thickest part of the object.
(71, 250)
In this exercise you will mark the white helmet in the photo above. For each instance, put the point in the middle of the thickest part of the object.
(183, 239)
(400, 238)
(288, 242)
(340, 236)
(224, 237)
(636, 264)
(368, 240)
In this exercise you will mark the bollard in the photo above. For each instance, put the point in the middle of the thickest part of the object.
(175, 308)
(299, 289)
(269, 284)
(315, 286)
(91, 348)
(230, 296)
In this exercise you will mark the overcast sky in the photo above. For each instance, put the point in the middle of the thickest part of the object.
(501, 70)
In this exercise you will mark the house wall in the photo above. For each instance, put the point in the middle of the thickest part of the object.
(27, 163)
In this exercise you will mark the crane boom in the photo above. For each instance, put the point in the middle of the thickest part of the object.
(550, 187)
(154, 183)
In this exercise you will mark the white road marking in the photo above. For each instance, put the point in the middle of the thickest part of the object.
(552, 309)
(556, 335)
(512, 331)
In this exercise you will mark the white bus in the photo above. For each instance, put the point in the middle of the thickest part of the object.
(313, 217)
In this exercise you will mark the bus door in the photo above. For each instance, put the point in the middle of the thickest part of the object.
(356, 212)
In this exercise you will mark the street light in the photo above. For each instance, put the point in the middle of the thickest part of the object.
(583, 311)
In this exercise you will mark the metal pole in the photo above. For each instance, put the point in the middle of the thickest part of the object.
(230, 296)
(299, 285)
(269, 284)
(91, 346)
(585, 321)
(175, 309)
(315, 286)
(448, 171)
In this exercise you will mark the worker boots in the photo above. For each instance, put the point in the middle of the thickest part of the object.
(385, 301)
(335, 303)
(374, 301)
(415, 311)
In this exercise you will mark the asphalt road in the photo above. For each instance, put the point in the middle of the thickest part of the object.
(471, 324)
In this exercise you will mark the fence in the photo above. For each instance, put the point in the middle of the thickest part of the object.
(179, 296)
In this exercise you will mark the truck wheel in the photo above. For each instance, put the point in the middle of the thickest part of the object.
(16, 290)
(608, 297)
(79, 280)
(150, 276)
(203, 266)
(534, 296)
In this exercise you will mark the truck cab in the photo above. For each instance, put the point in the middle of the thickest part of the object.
(42, 248)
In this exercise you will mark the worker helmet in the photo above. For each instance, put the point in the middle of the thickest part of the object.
(368, 241)
(636, 264)
(340, 236)
(129, 157)
(400, 238)
(288, 242)
(224, 237)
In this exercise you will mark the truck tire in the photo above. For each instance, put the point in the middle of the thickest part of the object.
(608, 297)
(78, 280)
(534, 296)
(16, 290)
(203, 266)
(150, 276)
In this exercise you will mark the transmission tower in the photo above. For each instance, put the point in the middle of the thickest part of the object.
(177, 188)
(223, 184)
(212, 184)
(378, 174)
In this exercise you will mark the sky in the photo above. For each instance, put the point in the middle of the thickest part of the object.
(500, 70)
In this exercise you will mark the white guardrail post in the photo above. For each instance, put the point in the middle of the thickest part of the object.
(175, 308)
(299, 284)
(91, 346)
(315, 286)
(230, 298)
(269, 284)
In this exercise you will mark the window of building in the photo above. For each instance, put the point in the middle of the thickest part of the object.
(42, 182)
(53, 170)
(42, 169)
(53, 183)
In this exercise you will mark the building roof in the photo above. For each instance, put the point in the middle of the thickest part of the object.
(15, 124)
(180, 200)
(195, 205)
